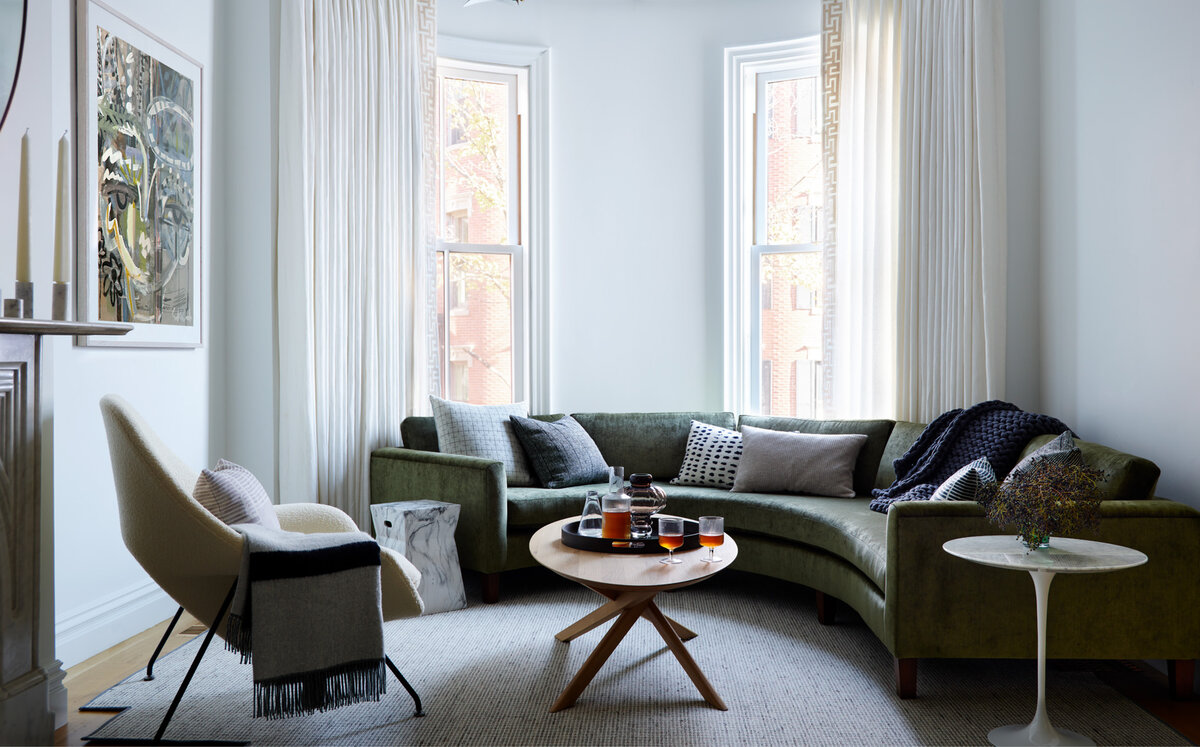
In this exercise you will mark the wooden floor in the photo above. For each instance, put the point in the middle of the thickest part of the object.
(1136, 680)
(88, 679)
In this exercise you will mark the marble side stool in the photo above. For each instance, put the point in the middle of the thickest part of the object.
(423, 532)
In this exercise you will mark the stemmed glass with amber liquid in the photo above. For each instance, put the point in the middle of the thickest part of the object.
(712, 535)
(670, 536)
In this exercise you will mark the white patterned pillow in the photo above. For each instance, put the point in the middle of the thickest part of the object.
(483, 431)
(234, 495)
(711, 458)
(964, 484)
(1061, 450)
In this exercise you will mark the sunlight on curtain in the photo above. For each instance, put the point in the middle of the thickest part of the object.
(354, 254)
(916, 251)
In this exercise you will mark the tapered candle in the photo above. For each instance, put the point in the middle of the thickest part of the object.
(62, 227)
(23, 213)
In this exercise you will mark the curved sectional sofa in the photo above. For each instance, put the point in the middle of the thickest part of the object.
(890, 568)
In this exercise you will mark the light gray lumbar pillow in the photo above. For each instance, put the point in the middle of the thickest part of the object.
(807, 463)
(234, 495)
(483, 431)
(964, 484)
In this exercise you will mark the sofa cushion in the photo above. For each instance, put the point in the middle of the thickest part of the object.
(561, 453)
(1126, 477)
(420, 432)
(712, 457)
(904, 435)
(652, 442)
(798, 463)
(843, 526)
(483, 431)
(866, 466)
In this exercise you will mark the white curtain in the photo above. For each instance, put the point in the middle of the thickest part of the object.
(916, 246)
(354, 257)
(861, 175)
(953, 250)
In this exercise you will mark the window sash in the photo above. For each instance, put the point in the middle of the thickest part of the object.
(759, 106)
(757, 252)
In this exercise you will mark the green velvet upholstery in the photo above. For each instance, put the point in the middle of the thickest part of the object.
(420, 432)
(903, 436)
(1127, 477)
(865, 467)
(652, 442)
(890, 568)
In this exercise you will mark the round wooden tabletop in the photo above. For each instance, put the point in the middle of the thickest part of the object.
(625, 571)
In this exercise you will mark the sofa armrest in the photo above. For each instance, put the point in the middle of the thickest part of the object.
(478, 485)
(313, 518)
(937, 605)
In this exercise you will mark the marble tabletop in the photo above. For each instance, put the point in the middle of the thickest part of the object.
(1064, 555)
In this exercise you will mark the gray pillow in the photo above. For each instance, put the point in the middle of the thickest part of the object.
(1061, 450)
(234, 495)
(712, 457)
(482, 431)
(964, 484)
(562, 453)
(808, 463)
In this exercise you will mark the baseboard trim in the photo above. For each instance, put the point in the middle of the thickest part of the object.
(90, 629)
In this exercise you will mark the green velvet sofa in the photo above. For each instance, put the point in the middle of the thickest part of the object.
(890, 568)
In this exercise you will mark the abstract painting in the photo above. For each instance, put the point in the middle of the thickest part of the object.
(141, 233)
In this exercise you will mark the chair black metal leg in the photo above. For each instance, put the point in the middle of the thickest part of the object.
(416, 698)
(187, 680)
(158, 650)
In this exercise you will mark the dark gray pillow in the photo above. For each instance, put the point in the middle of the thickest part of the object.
(806, 463)
(562, 453)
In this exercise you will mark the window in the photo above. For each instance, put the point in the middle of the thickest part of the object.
(774, 225)
(481, 249)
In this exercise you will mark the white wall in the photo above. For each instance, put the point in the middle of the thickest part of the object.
(102, 596)
(636, 183)
(1120, 248)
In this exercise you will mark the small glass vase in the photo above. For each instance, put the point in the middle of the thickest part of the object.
(592, 518)
(1034, 539)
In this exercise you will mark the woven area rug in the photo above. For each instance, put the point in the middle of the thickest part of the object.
(488, 675)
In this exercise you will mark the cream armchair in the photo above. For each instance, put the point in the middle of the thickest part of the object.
(190, 553)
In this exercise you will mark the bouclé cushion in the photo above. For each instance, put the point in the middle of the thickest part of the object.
(561, 452)
(805, 463)
(712, 457)
(483, 431)
(234, 495)
(964, 484)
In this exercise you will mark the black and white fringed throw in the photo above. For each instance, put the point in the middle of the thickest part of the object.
(308, 607)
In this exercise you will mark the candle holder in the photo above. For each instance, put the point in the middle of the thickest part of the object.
(25, 295)
(13, 308)
(60, 301)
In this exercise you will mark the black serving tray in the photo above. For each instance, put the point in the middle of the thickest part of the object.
(572, 538)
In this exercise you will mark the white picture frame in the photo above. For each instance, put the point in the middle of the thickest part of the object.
(142, 246)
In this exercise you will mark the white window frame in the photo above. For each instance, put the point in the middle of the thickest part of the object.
(530, 223)
(747, 69)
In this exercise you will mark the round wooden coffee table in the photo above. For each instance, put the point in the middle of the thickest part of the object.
(630, 582)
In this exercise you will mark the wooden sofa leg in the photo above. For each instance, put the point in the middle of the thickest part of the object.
(826, 608)
(906, 678)
(1181, 673)
(491, 588)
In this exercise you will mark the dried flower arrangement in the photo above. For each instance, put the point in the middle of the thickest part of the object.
(1047, 498)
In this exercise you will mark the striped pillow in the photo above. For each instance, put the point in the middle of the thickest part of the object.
(235, 496)
(1062, 450)
(964, 484)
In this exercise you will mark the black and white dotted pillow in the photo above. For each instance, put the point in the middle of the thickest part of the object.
(711, 458)
(964, 484)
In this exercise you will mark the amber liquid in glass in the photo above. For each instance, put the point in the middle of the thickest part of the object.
(712, 540)
(670, 541)
(615, 525)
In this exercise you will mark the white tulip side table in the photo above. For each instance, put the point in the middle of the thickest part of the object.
(1063, 556)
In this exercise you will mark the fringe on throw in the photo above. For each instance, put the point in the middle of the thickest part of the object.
(238, 636)
(320, 690)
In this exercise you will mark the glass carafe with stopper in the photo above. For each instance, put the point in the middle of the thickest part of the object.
(645, 499)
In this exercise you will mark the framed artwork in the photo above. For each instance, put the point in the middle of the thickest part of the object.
(141, 248)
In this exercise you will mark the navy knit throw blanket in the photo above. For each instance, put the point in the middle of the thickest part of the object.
(996, 430)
